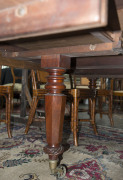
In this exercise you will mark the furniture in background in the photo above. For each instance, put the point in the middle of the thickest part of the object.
(7, 93)
(77, 96)
(19, 78)
(109, 95)
(80, 82)
(105, 96)
(17, 84)
(83, 89)
(38, 93)
(86, 88)
(12, 77)
(117, 88)
(7, 76)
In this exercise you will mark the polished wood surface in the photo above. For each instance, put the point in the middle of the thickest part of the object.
(83, 45)
(23, 64)
(55, 109)
(31, 18)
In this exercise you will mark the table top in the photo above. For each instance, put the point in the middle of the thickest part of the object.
(27, 18)
(76, 30)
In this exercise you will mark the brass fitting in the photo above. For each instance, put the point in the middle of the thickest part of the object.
(53, 165)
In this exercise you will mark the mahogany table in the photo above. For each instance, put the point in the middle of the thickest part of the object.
(54, 34)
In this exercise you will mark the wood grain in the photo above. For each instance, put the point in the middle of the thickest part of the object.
(39, 17)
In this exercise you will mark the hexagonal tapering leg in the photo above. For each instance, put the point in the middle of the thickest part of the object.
(54, 108)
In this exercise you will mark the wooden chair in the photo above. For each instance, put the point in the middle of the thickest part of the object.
(117, 88)
(7, 93)
(38, 93)
(105, 95)
(81, 92)
(15, 82)
(17, 85)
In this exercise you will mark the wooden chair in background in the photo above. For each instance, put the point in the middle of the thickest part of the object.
(80, 92)
(105, 95)
(13, 81)
(16, 81)
(117, 88)
(17, 85)
(86, 89)
(38, 93)
(7, 93)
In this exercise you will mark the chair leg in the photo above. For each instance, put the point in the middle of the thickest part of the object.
(89, 108)
(110, 111)
(12, 102)
(8, 114)
(92, 105)
(100, 106)
(74, 116)
(31, 114)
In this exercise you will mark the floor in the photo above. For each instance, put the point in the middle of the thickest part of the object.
(105, 121)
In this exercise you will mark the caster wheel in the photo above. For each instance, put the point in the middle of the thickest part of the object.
(61, 172)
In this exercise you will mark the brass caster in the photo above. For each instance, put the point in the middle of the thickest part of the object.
(60, 172)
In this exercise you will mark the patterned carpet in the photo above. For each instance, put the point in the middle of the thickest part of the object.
(96, 158)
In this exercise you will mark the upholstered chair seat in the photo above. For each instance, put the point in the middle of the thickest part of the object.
(17, 86)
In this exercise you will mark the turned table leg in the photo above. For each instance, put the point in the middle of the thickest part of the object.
(54, 108)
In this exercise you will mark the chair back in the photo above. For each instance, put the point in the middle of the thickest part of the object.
(103, 83)
(42, 76)
(15, 78)
(34, 82)
(80, 82)
(84, 81)
(38, 77)
(117, 84)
